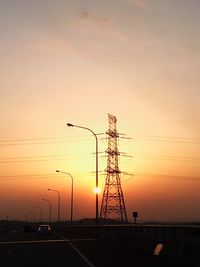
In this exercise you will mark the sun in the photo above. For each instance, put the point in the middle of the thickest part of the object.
(97, 190)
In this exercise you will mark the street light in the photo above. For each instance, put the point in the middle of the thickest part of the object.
(97, 194)
(49, 207)
(40, 212)
(72, 192)
(58, 202)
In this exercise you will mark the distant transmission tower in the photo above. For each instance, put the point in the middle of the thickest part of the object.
(113, 205)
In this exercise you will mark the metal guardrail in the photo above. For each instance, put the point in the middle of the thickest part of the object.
(179, 243)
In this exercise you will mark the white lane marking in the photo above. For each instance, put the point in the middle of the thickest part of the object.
(30, 242)
(81, 254)
(44, 241)
(75, 239)
(8, 252)
(81, 239)
(60, 236)
(90, 264)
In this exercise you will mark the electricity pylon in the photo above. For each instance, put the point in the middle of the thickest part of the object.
(113, 205)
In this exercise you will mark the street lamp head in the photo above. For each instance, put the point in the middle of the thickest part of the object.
(70, 125)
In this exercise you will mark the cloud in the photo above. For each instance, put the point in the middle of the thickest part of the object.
(139, 3)
(85, 14)
(56, 44)
(98, 28)
(89, 36)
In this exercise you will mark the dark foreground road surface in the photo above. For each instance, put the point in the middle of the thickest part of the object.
(60, 249)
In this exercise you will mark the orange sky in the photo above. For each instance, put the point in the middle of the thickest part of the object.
(74, 62)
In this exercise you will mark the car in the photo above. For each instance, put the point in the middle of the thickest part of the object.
(44, 229)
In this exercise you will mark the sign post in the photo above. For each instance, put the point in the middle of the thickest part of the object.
(135, 215)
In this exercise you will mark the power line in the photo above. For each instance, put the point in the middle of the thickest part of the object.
(62, 139)
(29, 139)
(54, 175)
(36, 176)
(78, 156)
(165, 157)
(167, 139)
(170, 177)
(41, 158)
(40, 141)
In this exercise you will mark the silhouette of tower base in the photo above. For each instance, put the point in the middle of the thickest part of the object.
(113, 205)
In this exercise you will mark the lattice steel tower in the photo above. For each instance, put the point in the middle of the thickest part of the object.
(113, 205)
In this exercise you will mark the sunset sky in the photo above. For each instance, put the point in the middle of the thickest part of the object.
(76, 61)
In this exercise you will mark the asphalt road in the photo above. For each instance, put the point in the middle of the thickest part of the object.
(29, 249)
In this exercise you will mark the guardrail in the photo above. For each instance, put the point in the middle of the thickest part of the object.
(3, 231)
(179, 243)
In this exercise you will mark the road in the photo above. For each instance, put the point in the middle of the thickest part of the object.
(29, 249)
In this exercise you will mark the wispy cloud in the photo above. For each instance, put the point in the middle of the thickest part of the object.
(99, 27)
(89, 36)
(56, 44)
(139, 3)
(85, 14)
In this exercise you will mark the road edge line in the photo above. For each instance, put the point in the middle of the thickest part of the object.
(90, 264)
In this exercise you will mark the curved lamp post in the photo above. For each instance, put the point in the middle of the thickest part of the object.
(72, 193)
(97, 201)
(49, 207)
(58, 202)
